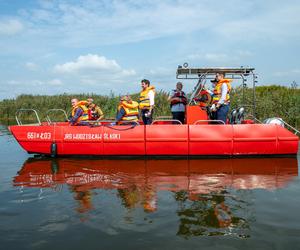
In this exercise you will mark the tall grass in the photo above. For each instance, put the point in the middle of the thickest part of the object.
(271, 101)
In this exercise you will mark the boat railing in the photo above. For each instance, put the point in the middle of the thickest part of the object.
(296, 131)
(19, 121)
(209, 121)
(163, 121)
(163, 117)
(48, 119)
(253, 118)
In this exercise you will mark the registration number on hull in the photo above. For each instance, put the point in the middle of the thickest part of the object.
(41, 135)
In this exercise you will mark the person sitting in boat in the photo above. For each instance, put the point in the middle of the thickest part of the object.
(79, 115)
(146, 101)
(94, 111)
(128, 111)
(178, 101)
(221, 97)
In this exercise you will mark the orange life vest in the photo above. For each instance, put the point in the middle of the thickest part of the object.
(144, 102)
(218, 91)
(84, 116)
(131, 110)
(95, 113)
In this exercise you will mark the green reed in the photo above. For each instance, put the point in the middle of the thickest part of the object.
(271, 101)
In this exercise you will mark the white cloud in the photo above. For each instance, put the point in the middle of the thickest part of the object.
(31, 66)
(90, 68)
(203, 33)
(14, 83)
(214, 57)
(276, 23)
(10, 27)
(114, 22)
(293, 72)
(55, 82)
(87, 62)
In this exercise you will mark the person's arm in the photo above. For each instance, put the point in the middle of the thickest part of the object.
(99, 112)
(76, 116)
(170, 97)
(151, 99)
(224, 90)
(120, 114)
(184, 98)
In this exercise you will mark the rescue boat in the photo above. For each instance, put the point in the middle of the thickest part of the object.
(199, 137)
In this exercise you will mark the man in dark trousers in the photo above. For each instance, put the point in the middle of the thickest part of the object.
(178, 102)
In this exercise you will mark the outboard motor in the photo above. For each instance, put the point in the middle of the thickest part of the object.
(233, 116)
(240, 115)
(274, 120)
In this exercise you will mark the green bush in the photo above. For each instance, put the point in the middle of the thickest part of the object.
(271, 101)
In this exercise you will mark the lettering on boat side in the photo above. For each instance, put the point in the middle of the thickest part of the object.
(41, 135)
(105, 136)
(113, 136)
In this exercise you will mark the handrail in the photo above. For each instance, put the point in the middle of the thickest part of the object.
(291, 127)
(51, 110)
(128, 122)
(285, 123)
(19, 122)
(163, 117)
(254, 118)
(216, 121)
(101, 121)
(166, 120)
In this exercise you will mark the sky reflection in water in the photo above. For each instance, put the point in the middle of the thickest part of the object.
(209, 196)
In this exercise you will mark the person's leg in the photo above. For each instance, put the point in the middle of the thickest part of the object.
(222, 113)
(144, 118)
(181, 117)
(175, 116)
(83, 123)
(147, 120)
(178, 116)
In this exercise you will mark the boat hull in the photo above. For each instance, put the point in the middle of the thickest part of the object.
(157, 140)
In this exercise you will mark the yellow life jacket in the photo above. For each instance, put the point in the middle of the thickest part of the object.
(144, 102)
(218, 91)
(131, 111)
(85, 115)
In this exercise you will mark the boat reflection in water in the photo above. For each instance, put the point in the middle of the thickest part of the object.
(210, 194)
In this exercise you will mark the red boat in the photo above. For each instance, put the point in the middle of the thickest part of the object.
(198, 137)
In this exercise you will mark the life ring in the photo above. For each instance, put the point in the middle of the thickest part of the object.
(203, 99)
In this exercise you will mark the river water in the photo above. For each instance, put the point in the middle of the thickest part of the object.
(72, 203)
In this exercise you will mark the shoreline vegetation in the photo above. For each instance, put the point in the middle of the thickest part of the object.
(271, 101)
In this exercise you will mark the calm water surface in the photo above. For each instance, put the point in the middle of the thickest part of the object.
(72, 203)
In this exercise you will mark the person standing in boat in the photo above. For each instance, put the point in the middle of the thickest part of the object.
(178, 102)
(146, 101)
(79, 115)
(128, 111)
(221, 97)
(95, 112)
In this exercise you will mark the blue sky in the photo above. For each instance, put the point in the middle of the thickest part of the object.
(52, 47)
